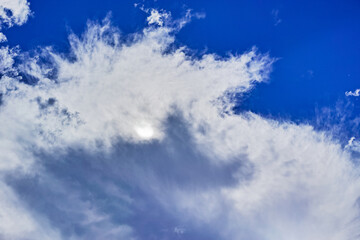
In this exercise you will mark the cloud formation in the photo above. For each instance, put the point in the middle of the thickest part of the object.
(131, 137)
(356, 93)
(13, 12)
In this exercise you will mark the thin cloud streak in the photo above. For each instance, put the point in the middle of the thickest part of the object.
(356, 93)
(276, 18)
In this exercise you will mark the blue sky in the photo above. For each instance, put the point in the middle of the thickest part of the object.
(179, 120)
(316, 43)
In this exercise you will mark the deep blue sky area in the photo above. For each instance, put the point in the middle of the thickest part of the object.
(316, 43)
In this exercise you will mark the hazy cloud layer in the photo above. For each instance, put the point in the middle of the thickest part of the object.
(130, 137)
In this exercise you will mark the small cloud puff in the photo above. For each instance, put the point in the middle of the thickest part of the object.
(13, 12)
(157, 17)
(356, 93)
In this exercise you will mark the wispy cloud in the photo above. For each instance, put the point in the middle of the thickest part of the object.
(356, 93)
(276, 17)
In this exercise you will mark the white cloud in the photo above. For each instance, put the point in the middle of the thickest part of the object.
(356, 93)
(2, 37)
(138, 84)
(163, 18)
(16, 222)
(7, 56)
(353, 145)
(157, 17)
(303, 185)
(14, 12)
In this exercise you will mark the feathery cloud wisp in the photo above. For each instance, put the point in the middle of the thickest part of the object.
(356, 93)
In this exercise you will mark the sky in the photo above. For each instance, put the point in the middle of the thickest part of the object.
(157, 120)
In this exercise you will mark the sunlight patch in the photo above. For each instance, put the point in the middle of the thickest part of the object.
(145, 131)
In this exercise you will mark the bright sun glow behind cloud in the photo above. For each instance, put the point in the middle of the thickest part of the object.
(145, 131)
